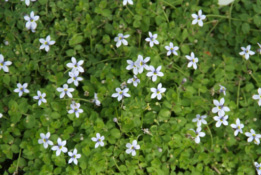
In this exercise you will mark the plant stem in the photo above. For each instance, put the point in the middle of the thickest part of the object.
(130, 11)
(238, 91)
(211, 137)
(18, 161)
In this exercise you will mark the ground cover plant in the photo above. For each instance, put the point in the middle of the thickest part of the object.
(130, 87)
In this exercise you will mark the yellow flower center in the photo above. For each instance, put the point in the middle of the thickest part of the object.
(65, 89)
(60, 147)
(120, 38)
(1, 64)
(45, 42)
(44, 140)
(120, 92)
(193, 60)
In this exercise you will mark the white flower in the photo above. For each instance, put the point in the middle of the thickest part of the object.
(157, 92)
(125, 2)
(40, 97)
(152, 39)
(198, 18)
(141, 64)
(253, 136)
(31, 24)
(45, 140)
(74, 156)
(27, 2)
(60, 147)
(258, 168)
(135, 80)
(259, 49)
(200, 119)
(121, 93)
(121, 39)
(75, 108)
(74, 78)
(221, 119)
(171, 49)
(65, 90)
(131, 148)
(98, 139)
(192, 60)
(46, 43)
(96, 100)
(75, 65)
(154, 73)
(222, 89)
(237, 127)
(258, 96)
(4, 64)
(21, 89)
(1, 115)
(220, 108)
(198, 134)
(133, 65)
(246, 52)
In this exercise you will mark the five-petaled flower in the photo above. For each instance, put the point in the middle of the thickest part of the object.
(45, 140)
(237, 127)
(99, 140)
(152, 39)
(171, 49)
(192, 60)
(75, 65)
(198, 18)
(75, 108)
(154, 73)
(258, 168)
(31, 21)
(96, 100)
(121, 93)
(133, 65)
(60, 147)
(135, 80)
(156, 92)
(220, 108)
(46, 43)
(200, 119)
(221, 119)
(246, 52)
(125, 2)
(40, 97)
(142, 63)
(131, 148)
(65, 90)
(121, 39)
(4, 64)
(198, 134)
(74, 78)
(74, 156)
(258, 96)
(222, 89)
(27, 2)
(21, 89)
(253, 136)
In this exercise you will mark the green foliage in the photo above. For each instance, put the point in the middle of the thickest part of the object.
(86, 30)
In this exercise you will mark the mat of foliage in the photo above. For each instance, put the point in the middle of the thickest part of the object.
(86, 30)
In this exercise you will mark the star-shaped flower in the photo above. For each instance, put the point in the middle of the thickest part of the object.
(75, 108)
(74, 156)
(152, 39)
(125, 2)
(154, 73)
(246, 52)
(74, 77)
(258, 168)
(133, 65)
(99, 140)
(221, 120)
(60, 147)
(142, 63)
(21, 89)
(253, 136)
(220, 108)
(222, 89)
(40, 97)
(121, 93)
(31, 21)
(131, 148)
(46, 43)
(200, 119)
(171, 49)
(192, 60)
(45, 140)
(237, 127)
(96, 100)
(135, 80)
(121, 39)
(198, 134)
(75, 65)
(65, 90)
(4, 64)
(198, 18)
(156, 92)
(258, 96)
